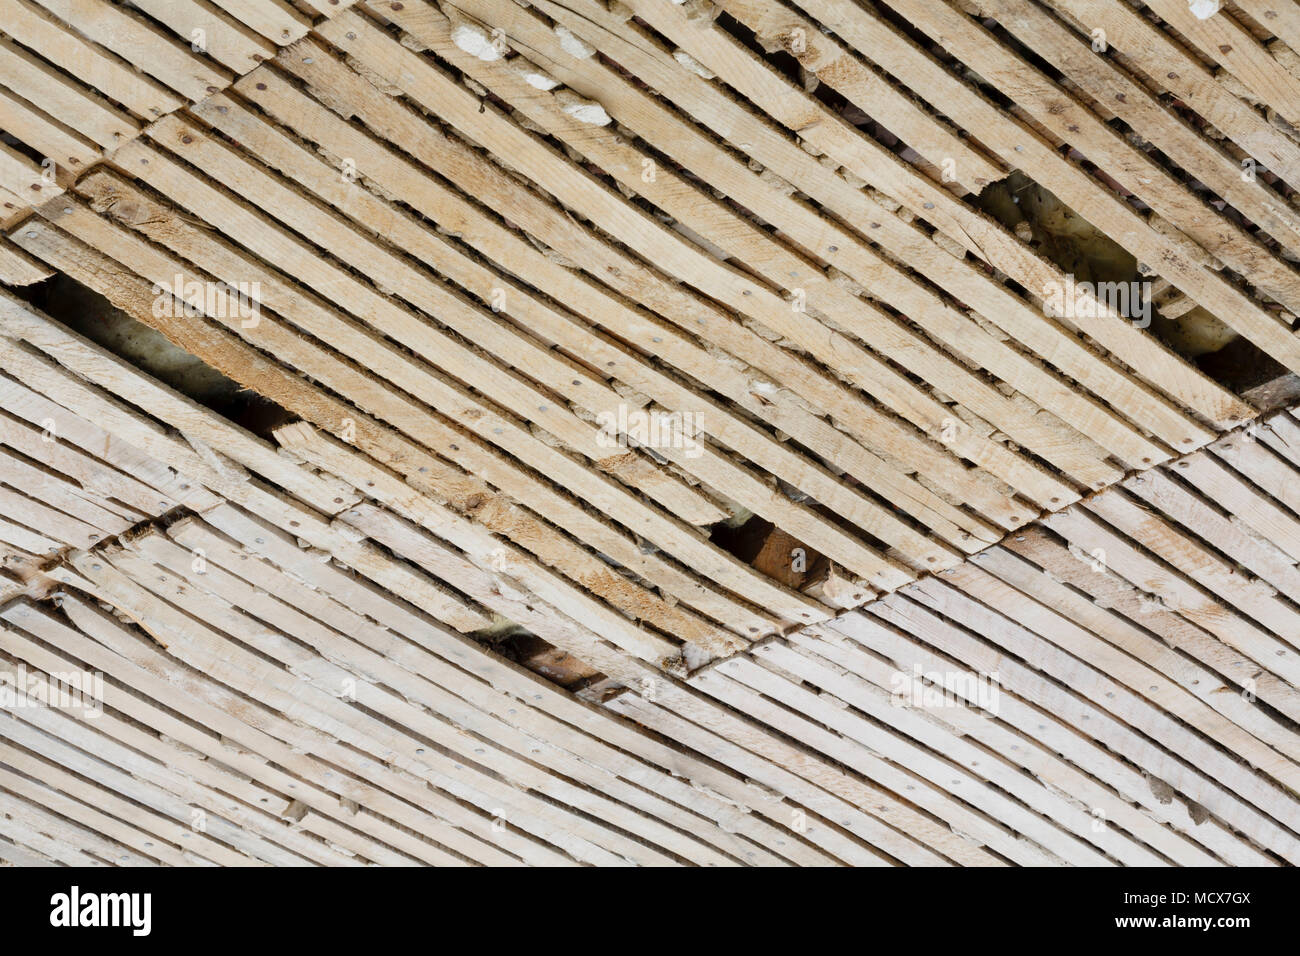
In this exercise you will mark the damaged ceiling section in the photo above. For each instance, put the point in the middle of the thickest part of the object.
(726, 432)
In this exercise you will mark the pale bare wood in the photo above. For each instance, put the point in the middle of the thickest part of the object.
(782, 268)
(893, 109)
(487, 556)
(1283, 19)
(1228, 534)
(61, 494)
(451, 158)
(928, 781)
(1051, 712)
(1131, 102)
(713, 468)
(380, 605)
(141, 43)
(105, 485)
(1222, 784)
(290, 680)
(144, 779)
(678, 539)
(276, 20)
(859, 677)
(1196, 562)
(50, 136)
(18, 268)
(1258, 648)
(1147, 46)
(1258, 486)
(148, 831)
(1166, 680)
(1158, 365)
(545, 736)
(1178, 258)
(212, 704)
(208, 31)
(15, 534)
(85, 112)
(1225, 41)
(507, 751)
(185, 415)
(17, 855)
(107, 837)
(1119, 614)
(294, 393)
(89, 63)
(23, 177)
(506, 139)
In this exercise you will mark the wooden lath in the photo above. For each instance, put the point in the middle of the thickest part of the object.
(251, 579)
(453, 241)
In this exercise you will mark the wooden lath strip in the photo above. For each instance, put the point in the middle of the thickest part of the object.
(332, 664)
(47, 135)
(93, 479)
(121, 756)
(955, 158)
(1281, 18)
(771, 403)
(508, 678)
(443, 352)
(1118, 614)
(752, 389)
(333, 497)
(69, 102)
(60, 493)
(338, 732)
(137, 41)
(970, 810)
(1207, 775)
(1213, 709)
(514, 755)
(77, 447)
(207, 31)
(1073, 122)
(17, 268)
(231, 481)
(1013, 814)
(86, 810)
(276, 20)
(88, 62)
(1259, 648)
(487, 556)
(256, 538)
